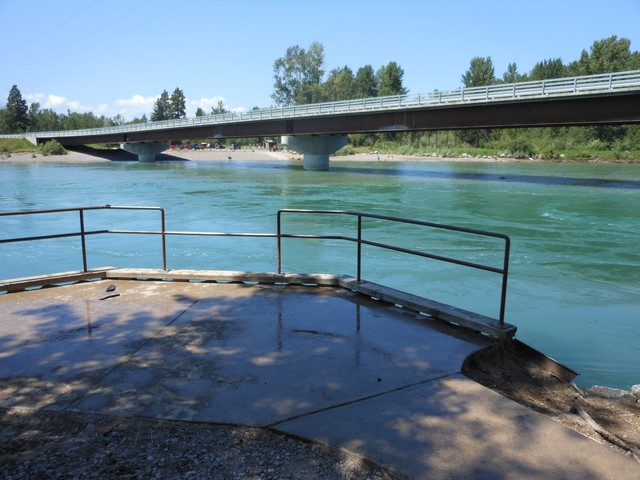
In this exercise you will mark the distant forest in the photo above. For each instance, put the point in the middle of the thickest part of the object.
(300, 78)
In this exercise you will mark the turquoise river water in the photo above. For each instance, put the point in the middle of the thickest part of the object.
(574, 281)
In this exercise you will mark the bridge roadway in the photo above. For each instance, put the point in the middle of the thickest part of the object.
(589, 100)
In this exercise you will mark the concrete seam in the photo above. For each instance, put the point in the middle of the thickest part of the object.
(359, 400)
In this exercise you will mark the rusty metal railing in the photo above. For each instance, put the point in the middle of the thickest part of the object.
(83, 233)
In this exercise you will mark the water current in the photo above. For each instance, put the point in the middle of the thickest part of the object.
(574, 279)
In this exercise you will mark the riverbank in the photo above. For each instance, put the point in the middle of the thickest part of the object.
(96, 156)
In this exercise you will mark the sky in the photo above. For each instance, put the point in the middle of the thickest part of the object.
(114, 57)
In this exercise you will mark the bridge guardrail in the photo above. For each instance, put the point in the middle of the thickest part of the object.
(560, 86)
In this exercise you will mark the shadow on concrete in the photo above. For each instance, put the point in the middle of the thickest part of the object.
(320, 363)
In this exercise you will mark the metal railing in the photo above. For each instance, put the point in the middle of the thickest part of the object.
(359, 239)
(559, 86)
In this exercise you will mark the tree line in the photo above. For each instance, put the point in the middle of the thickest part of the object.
(608, 55)
(300, 78)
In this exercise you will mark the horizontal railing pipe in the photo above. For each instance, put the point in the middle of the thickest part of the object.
(360, 241)
(280, 234)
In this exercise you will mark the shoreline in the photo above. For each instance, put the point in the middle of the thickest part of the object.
(257, 155)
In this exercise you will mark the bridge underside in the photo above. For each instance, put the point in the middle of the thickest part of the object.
(575, 110)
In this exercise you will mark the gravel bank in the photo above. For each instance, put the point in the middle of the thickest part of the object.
(65, 445)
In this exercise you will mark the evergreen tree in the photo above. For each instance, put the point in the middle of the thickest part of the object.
(177, 104)
(16, 115)
(161, 108)
(200, 112)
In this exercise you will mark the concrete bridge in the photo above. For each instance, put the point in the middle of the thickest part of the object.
(318, 130)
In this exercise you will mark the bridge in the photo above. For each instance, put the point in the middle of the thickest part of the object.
(318, 130)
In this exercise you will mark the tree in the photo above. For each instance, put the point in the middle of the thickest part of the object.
(200, 112)
(219, 109)
(34, 111)
(118, 120)
(298, 75)
(161, 108)
(142, 119)
(16, 114)
(364, 84)
(512, 75)
(80, 121)
(177, 104)
(47, 120)
(480, 73)
(339, 85)
(552, 68)
(607, 55)
(389, 79)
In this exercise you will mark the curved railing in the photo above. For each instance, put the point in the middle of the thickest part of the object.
(590, 84)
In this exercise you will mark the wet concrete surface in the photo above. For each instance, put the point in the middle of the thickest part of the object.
(319, 362)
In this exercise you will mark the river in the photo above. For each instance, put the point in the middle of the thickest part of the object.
(574, 277)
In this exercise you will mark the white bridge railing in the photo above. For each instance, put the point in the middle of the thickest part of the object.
(560, 86)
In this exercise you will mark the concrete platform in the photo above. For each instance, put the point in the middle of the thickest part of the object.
(323, 363)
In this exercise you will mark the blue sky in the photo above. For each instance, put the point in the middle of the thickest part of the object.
(117, 56)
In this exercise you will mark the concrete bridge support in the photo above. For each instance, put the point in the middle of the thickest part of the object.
(146, 151)
(316, 148)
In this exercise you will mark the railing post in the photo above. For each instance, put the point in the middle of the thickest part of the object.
(164, 240)
(505, 277)
(83, 240)
(279, 241)
(359, 273)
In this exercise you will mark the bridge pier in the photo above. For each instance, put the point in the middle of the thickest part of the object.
(146, 151)
(316, 148)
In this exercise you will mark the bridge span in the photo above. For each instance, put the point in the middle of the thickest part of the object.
(317, 130)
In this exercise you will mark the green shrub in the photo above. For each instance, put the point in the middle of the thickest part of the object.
(53, 147)
(520, 148)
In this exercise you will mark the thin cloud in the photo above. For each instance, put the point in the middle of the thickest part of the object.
(136, 106)
(127, 108)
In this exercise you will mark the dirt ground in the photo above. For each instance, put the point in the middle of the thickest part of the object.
(508, 370)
